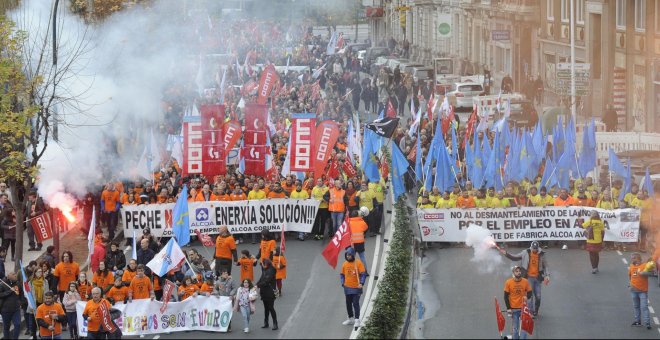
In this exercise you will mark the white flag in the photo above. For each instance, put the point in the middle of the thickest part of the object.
(91, 233)
(286, 166)
(167, 259)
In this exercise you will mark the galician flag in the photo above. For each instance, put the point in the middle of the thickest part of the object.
(166, 259)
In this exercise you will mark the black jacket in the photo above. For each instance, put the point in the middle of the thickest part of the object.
(10, 301)
(266, 283)
(115, 259)
(143, 257)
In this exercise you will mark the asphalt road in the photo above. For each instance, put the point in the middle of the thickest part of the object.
(458, 299)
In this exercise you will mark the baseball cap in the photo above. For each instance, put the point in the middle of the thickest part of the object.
(534, 245)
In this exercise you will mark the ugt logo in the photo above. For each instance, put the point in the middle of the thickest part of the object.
(202, 214)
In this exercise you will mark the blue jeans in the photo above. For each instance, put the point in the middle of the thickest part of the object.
(9, 319)
(516, 324)
(245, 311)
(641, 306)
(535, 301)
(353, 305)
(337, 220)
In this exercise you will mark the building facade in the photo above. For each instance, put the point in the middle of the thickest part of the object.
(617, 42)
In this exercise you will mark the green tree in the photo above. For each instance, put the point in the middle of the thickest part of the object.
(16, 116)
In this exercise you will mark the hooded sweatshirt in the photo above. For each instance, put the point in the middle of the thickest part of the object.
(352, 273)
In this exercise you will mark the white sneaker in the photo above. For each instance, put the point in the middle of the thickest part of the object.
(246, 330)
(357, 323)
(348, 321)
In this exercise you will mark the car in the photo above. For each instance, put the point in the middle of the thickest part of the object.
(462, 95)
(422, 73)
(375, 52)
(356, 47)
(407, 67)
(380, 62)
(523, 113)
(393, 63)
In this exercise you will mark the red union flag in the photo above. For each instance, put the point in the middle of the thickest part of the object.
(268, 79)
(255, 117)
(204, 238)
(167, 294)
(255, 158)
(42, 228)
(303, 127)
(501, 322)
(106, 319)
(213, 151)
(231, 132)
(327, 133)
(192, 147)
(526, 320)
(349, 169)
(341, 240)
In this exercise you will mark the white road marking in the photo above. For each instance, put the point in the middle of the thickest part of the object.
(624, 261)
(651, 310)
(157, 337)
(655, 319)
(619, 252)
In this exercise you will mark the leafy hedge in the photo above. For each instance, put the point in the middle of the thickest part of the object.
(389, 308)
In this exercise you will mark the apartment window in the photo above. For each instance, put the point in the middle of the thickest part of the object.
(550, 9)
(579, 11)
(621, 14)
(640, 15)
(565, 10)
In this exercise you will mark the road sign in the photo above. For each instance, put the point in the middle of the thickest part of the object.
(582, 78)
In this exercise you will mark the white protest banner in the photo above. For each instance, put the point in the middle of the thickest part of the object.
(239, 216)
(200, 313)
(526, 224)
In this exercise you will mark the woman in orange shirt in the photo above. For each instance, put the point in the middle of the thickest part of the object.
(118, 292)
(207, 286)
(103, 278)
(65, 272)
(129, 273)
(84, 287)
(267, 246)
(279, 262)
(187, 289)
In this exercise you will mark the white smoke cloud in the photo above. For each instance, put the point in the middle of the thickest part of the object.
(481, 240)
(120, 70)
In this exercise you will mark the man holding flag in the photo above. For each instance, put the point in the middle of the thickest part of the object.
(516, 290)
(50, 316)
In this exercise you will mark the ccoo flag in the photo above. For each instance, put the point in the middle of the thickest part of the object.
(166, 259)
(180, 218)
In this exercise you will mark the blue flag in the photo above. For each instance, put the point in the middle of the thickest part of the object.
(478, 163)
(549, 179)
(180, 218)
(615, 165)
(454, 143)
(587, 159)
(539, 141)
(419, 168)
(371, 145)
(399, 169)
(627, 183)
(492, 175)
(469, 160)
(648, 185)
(437, 140)
(558, 140)
(527, 162)
(563, 168)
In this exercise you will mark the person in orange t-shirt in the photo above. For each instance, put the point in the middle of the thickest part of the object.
(465, 200)
(66, 271)
(277, 192)
(110, 204)
(516, 289)
(129, 272)
(103, 278)
(238, 195)
(352, 276)
(92, 314)
(141, 286)
(564, 199)
(267, 246)
(225, 251)
(247, 263)
(118, 292)
(84, 287)
(50, 316)
(207, 286)
(279, 262)
(187, 289)
(639, 273)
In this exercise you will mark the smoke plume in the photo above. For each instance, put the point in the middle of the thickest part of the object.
(481, 240)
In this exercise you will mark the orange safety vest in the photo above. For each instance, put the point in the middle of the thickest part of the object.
(358, 227)
(336, 203)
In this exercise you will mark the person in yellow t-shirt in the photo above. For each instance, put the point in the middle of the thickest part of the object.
(645, 205)
(595, 232)
(256, 193)
(499, 201)
(435, 195)
(446, 202)
(542, 199)
(425, 203)
(480, 201)
(322, 216)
